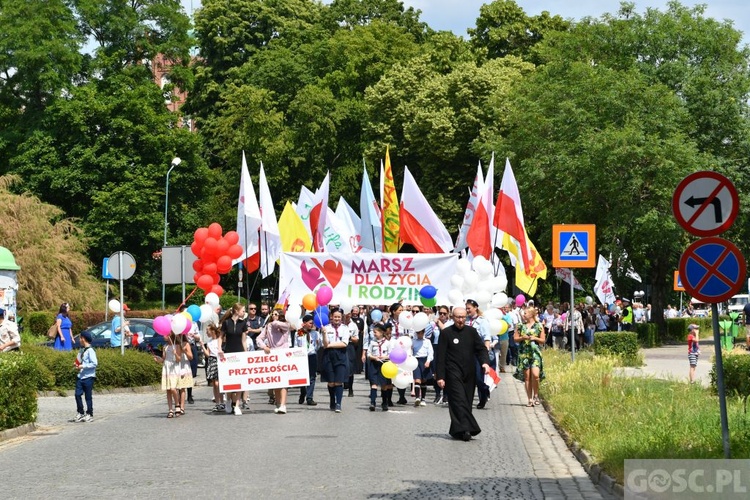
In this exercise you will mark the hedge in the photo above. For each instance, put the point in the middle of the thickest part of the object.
(624, 345)
(54, 369)
(677, 328)
(18, 384)
(648, 334)
(736, 373)
(37, 323)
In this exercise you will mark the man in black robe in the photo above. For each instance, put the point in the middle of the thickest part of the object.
(459, 345)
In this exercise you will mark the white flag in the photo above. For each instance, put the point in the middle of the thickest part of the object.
(248, 215)
(270, 238)
(604, 288)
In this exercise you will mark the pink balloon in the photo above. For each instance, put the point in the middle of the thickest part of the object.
(188, 326)
(520, 299)
(398, 355)
(324, 295)
(162, 325)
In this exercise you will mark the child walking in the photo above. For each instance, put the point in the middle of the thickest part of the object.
(376, 356)
(212, 351)
(170, 373)
(422, 350)
(86, 364)
(185, 382)
(694, 350)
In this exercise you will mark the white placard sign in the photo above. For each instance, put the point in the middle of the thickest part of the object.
(258, 371)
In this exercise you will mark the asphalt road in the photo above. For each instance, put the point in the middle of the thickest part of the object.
(131, 450)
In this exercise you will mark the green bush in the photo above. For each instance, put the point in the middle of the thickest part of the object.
(55, 368)
(623, 345)
(677, 328)
(736, 374)
(648, 334)
(18, 381)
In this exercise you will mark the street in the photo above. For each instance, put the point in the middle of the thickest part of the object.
(131, 450)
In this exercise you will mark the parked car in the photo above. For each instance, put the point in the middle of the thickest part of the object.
(148, 339)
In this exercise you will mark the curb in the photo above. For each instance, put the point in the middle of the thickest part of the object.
(17, 432)
(589, 463)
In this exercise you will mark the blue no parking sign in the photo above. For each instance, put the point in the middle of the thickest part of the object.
(712, 270)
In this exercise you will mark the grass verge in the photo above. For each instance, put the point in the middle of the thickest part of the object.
(616, 418)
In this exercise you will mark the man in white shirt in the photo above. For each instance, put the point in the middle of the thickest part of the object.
(10, 340)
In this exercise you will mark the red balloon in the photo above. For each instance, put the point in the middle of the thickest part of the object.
(205, 282)
(195, 277)
(221, 247)
(234, 251)
(198, 266)
(210, 245)
(196, 248)
(232, 237)
(224, 264)
(216, 278)
(209, 268)
(200, 235)
(215, 230)
(218, 290)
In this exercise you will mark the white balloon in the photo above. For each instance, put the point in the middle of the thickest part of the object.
(179, 322)
(478, 262)
(589, 300)
(346, 304)
(457, 281)
(471, 280)
(493, 313)
(405, 319)
(495, 326)
(410, 364)
(403, 380)
(456, 297)
(499, 300)
(206, 311)
(114, 305)
(501, 283)
(482, 297)
(482, 266)
(420, 321)
(486, 284)
(404, 342)
(463, 266)
(295, 322)
(212, 299)
(294, 311)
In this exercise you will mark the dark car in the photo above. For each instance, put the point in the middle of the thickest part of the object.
(148, 339)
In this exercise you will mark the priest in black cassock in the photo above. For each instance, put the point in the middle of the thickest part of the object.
(458, 346)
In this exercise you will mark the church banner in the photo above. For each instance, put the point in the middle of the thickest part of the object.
(367, 278)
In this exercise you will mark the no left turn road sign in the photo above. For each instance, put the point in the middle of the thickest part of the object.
(705, 203)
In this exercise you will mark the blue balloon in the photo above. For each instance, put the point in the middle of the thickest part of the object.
(376, 315)
(194, 311)
(320, 320)
(612, 308)
(428, 292)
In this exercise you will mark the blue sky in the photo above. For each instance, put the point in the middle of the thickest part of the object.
(459, 15)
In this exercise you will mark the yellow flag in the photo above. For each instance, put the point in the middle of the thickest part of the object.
(294, 236)
(526, 280)
(390, 209)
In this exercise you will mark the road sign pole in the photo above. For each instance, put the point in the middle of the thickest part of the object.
(570, 315)
(106, 301)
(720, 382)
(122, 303)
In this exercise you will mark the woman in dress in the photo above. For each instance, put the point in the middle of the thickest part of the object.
(64, 337)
(234, 327)
(170, 373)
(530, 337)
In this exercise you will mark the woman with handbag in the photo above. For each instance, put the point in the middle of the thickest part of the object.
(64, 337)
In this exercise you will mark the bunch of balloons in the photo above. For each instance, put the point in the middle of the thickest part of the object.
(215, 253)
(401, 364)
(427, 296)
(181, 323)
(476, 280)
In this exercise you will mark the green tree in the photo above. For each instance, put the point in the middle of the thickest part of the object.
(591, 144)
(351, 13)
(504, 29)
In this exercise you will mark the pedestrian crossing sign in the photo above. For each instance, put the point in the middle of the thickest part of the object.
(574, 245)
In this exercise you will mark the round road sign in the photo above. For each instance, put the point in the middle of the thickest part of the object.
(128, 266)
(705, 203)
(712, 270)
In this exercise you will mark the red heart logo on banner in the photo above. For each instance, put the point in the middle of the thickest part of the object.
(311, 277)
(332, 270)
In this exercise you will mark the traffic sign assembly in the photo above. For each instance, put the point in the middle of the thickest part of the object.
(712, 270)
(705, 203)
(574, 245)
(677, 282)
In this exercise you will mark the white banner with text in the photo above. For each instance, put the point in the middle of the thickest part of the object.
(258, 371)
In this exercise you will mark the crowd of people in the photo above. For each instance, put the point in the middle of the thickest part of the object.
(359, 342)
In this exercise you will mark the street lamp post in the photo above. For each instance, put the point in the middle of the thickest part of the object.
(175, 161)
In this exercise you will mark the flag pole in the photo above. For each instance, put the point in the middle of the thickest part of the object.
(372, 228)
